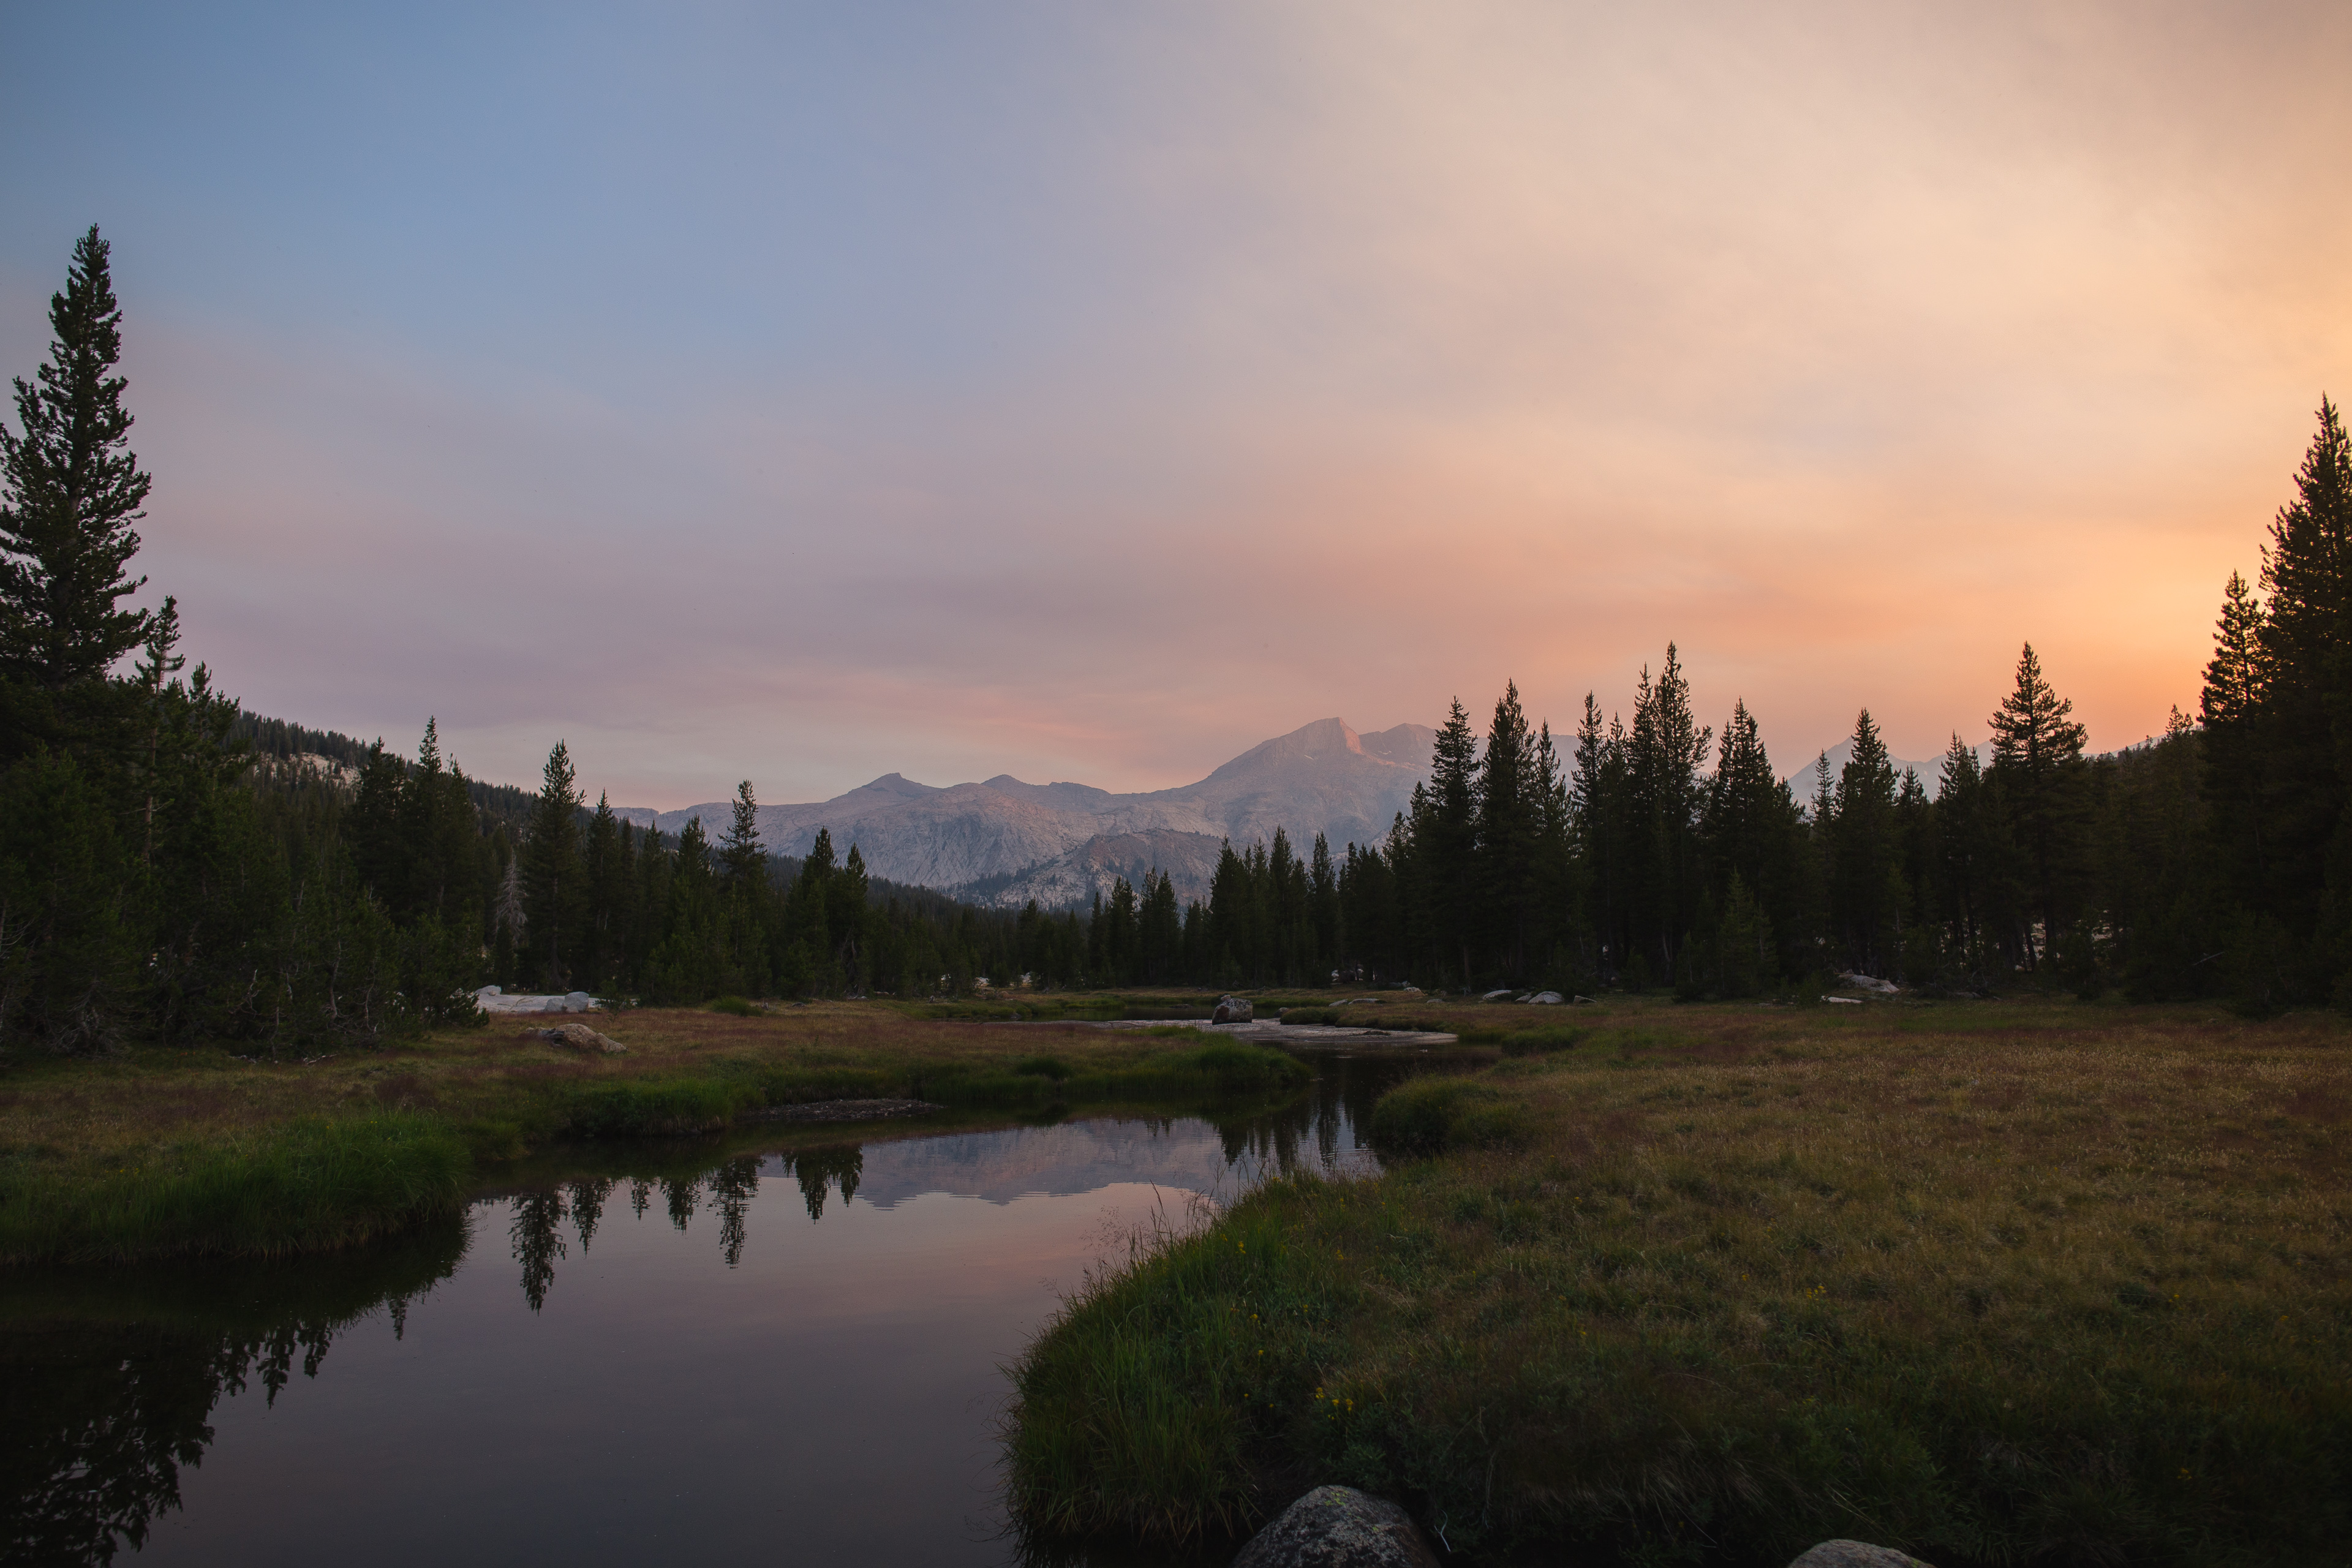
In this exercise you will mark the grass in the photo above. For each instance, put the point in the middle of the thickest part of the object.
(311, 1185)
(160, 1152)
(1995, 1283)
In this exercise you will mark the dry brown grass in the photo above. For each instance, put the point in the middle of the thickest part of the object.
(1999, 1282)
(62, 1113)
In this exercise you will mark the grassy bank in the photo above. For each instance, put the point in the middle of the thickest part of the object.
(158, 1153)
(1996, 1283)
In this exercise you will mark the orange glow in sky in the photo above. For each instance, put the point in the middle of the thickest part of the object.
(1092, 394)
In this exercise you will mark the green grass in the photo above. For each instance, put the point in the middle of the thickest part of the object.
(1165, 1387)
(2073, 1289)
(310, 1186)
(1432, 1115)
(170, 1154)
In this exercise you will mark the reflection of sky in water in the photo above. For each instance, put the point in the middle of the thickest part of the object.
(670, 1362)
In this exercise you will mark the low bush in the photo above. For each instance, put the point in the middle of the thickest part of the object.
(1311, 1015)
(738, 1006)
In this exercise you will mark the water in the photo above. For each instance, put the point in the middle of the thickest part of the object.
(676, 1354)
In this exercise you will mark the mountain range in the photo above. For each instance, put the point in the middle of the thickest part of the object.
(1003, 842)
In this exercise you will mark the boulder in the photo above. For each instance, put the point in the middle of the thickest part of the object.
(1495, 996)
(1855, 1554)
(1844, 1001)
(1339, 1527)
(1545, 999)
(1871, 982)
(580, 1037)
(1234, 1010)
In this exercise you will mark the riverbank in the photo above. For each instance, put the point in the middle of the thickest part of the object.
(1995, 1282)
(160, 1152)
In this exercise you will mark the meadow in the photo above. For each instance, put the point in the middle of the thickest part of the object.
(156, 1152)
(1995, 1282)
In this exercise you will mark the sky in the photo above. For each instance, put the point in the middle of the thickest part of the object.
(1091, 392)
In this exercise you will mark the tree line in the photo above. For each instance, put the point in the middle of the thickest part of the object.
(2213, 860)
(175, 868)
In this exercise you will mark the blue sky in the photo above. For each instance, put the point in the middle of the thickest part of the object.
(1092, 392)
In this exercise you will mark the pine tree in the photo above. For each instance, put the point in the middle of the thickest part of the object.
(2233, 706)
(550, 870)
(1751, 826)
(69, 490)
(1323, 903)
(1862, 850)
(847, 922)
(1445, 844)
(742, 858)
(1664, 871)
(1510, 806)
(2037, 755)
(2234, 688)
(604, 880)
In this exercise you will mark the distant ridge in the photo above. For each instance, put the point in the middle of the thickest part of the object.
(1931, 771)
(1005, 841)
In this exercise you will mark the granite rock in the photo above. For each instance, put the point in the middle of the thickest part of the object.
(1855, 1554)
(1339, 1527)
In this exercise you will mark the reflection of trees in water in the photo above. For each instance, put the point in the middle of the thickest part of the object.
(536, 1218)
(1339, 1098)
(107, 1378)
(841, 1165)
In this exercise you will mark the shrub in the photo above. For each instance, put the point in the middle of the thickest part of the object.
(738, 1007)
(1310, 1015)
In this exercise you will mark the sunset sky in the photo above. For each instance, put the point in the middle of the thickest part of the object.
(1091, 392)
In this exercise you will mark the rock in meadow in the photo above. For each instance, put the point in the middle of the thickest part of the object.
(580, 1037)
(1495, 996)
(1339, 1527)
(1545, 999)
(1234, 1010)
(1855, 1554)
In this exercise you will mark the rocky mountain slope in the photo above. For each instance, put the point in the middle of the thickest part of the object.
(1005, 842)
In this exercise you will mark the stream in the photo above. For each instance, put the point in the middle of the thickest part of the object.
(661, 1353)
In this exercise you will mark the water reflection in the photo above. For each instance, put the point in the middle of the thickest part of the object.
(110, 1377)
(832, 1359)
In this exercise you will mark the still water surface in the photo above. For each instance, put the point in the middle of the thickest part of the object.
(739, 1355)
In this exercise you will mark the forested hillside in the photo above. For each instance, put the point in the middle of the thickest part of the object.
(173, 869)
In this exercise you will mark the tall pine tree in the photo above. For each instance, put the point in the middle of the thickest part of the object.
(70, 488)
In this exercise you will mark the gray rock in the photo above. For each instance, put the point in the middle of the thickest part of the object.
(1545, 999)
(1855, 1554)
(1495, 996)
(1339, 1527)
(1234, 1010)
(580, 1037)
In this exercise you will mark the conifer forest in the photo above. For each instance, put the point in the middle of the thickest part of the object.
(171, 868)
